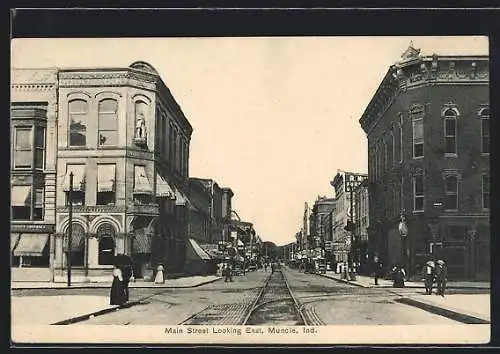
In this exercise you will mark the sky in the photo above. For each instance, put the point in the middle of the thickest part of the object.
(274, 118)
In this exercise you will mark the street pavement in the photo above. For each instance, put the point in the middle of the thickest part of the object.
(330, 301)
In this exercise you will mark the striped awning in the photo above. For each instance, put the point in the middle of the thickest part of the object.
(14, 238)
(182, 200)
(163, 189)
(20, 196)
(196, 252)
(78, 178)
(142, 243)
(106, 178)
(141, 181)
(31, 245)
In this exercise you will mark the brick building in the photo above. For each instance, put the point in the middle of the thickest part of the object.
(428, 150)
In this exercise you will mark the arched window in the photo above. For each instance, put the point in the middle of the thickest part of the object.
(77, 244)
(78, 116)
(106, 235)
(450, 131)
(485, 130)
(108, 122)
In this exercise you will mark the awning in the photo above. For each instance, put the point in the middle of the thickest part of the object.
(78, 178)
(240, 243)
(20, 196)
(105, 178)
(31, 245)
(14, 238)
(182, 200)
(163, 189)
(142, 243)
(141, 181)
(194, 251)
(212, 250)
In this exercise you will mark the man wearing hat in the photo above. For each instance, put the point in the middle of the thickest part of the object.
(441, 275)
(429, 276)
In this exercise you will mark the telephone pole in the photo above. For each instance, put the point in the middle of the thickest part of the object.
(70, 226)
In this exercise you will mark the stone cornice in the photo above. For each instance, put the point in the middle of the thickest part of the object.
(422, 72)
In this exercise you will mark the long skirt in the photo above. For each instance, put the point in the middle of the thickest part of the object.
(117, 296)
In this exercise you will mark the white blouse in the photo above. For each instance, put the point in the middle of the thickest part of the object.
(118, 273)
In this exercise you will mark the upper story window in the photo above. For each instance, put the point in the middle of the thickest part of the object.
(417, 119)
(486, 191)
(78, 195)
(106, 193)
(23, 206)
(39, 147)
(418, 192)
(23, 147)
(484, 114)
(450, 131)
(78, 119)
(451, 193)
(108, 122)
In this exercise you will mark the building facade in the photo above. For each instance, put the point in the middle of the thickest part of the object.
(34, 112)
(343, 233)
(361, 225)
(428, 151)
(320, 222)
(115, 138)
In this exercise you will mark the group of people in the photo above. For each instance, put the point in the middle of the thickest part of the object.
(122, 275)
(435, 272)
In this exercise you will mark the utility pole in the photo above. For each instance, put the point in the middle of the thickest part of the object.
(70, 226)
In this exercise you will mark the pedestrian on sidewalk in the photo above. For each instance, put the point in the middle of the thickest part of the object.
(160, 278)
(265, 267)
(441, 277)
(429, 276)
(128, 275)
(377, 270)
(227, 273)
(398, 276)
(117, 294)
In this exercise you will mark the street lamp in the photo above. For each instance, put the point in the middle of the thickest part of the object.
(403, 231)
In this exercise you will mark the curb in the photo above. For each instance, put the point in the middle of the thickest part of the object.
(88, 286)
(124, 306)
(451, 314)
(96, 313)
(342, 280)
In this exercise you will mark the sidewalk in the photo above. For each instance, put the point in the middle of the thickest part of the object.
(369, 282)
(466, 308)
(185, 282)
(46, 310)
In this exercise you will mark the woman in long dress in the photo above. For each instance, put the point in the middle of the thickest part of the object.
(117, 295)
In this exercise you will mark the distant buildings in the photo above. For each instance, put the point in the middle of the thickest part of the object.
(428, 151)
(344, 228)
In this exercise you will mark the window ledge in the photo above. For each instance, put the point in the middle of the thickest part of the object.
(418, 211)
(418, 157)
(485, 154)
(449, 154)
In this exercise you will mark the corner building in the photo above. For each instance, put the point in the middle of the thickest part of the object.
(126, 141)
(428, 151)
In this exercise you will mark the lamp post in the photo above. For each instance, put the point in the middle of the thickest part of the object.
(351, 183)
(70, 226)
(403, 231)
